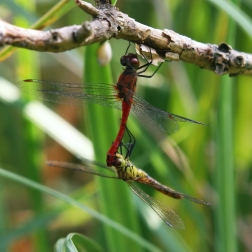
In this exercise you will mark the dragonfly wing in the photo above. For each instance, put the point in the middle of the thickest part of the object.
(78, 167)
(94, 163)
(163, 211)
(157, 118)
(72, 93)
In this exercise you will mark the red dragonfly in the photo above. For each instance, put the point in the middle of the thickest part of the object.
(121, 96)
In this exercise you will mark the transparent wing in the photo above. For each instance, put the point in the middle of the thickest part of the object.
(105, 95)
(72, 93)
(156, 118)
(81, 168)
(164, 212)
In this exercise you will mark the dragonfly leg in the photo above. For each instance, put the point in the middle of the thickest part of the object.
(128, 48)
(145, 66)
(129, 146)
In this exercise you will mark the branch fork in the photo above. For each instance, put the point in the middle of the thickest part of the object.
(108, 22)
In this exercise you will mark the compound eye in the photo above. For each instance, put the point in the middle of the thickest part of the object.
(134, 62)
(123, 61)
(117, 162)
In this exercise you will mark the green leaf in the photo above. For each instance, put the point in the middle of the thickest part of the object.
(77, 243)
(101, 217)
(234, 12)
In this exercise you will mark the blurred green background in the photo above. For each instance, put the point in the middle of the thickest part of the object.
(209, 162)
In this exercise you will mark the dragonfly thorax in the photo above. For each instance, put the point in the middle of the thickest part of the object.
(126, 170)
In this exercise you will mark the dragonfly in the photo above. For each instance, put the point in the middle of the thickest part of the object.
(121, 96)
(130, 174)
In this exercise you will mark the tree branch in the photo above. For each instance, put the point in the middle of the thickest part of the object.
(108, 22)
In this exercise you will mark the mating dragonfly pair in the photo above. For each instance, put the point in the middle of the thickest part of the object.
(121, 96)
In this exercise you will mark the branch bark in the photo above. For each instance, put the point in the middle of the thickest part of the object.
(108, 22)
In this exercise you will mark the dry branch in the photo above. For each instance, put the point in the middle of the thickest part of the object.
(108, 22)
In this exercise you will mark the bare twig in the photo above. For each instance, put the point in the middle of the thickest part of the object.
(108, 22)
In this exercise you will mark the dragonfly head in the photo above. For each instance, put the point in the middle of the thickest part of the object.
(119, 161)
(130, 61)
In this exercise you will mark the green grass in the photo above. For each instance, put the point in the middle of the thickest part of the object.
(210, 162)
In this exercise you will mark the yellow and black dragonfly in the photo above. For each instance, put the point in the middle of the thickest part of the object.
(129, 173)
